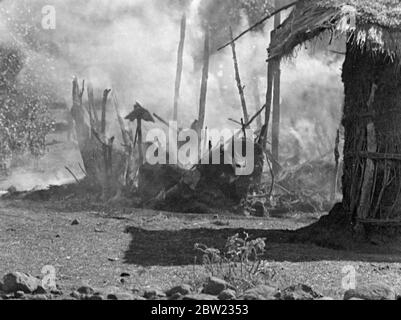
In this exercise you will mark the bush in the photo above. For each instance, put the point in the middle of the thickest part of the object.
(24, 118)
(240, 263)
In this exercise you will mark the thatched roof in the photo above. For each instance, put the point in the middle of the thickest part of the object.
(375, 24)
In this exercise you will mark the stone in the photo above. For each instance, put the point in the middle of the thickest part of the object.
(373, 291)
(8, 296)
(122, 296)
(227, 295)
(18, 281)
(115, 293)
(39, 297)
(261, 292)
(154, 294)
(56, 292)
(259, 210)
(19, 295)
(40, 290)
(86, 290)
(199, 297)
(176, 297)
(215, 286)
(75, 222)
(183, 290)
(300, 292)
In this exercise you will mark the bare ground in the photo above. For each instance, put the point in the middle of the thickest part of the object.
(157, 249)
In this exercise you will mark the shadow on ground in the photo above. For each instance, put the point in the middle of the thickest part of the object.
(167, 248)
(330, 239)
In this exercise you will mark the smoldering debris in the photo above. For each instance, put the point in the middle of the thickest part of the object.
(112, 160)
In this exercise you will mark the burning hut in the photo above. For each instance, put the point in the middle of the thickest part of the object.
(372, 108)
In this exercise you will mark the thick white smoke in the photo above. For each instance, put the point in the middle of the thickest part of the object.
(131, 46)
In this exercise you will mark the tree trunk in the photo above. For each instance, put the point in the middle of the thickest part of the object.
(372, 151)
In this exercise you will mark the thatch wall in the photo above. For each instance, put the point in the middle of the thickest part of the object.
(372, 118)
(372, 108)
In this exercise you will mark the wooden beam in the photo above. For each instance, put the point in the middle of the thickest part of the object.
(269, 96)
(205, 77)
(274, 13)
(276, 100)
(180, 58)
(256, 95)
(238, 78)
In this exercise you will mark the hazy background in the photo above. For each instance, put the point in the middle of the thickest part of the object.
(131, 47)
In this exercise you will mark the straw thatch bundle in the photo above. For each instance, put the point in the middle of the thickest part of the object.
(375, 25)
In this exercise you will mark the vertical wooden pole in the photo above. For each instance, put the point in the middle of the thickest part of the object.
(180, 58)
(205, 77)
(139, 133)
(269, 95)
(105, 147)
(255, 86)
(238, 78)
(276, 99)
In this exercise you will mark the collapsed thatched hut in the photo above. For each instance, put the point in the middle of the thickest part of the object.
(372, 107)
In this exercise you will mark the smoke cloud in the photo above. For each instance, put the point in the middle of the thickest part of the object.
(131, 47)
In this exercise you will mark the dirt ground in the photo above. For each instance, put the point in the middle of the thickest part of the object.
(156, 249)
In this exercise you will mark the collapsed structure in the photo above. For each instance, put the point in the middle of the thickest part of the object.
(372, 107)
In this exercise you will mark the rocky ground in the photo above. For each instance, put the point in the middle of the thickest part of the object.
(139, 254)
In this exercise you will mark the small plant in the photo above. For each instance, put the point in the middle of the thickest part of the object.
(240, 263)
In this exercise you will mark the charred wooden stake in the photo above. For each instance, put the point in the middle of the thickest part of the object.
(180, 55)
(140, 114)
(105, 146)
(128, 143)
(238, 78)
(83, 130)
(205, 76)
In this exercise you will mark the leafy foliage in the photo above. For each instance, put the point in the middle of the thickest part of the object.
(24, 118)
(240, 263)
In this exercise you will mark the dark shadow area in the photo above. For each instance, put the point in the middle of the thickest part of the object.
(176, 247)
(330, 239)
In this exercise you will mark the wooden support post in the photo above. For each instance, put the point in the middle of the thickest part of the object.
(238, 78)
(104, 106)
(276, 99)
(269, 95)
(107, 147)
(255, 86)
(205, 77)
(368, 177)
(180, 58)
(139, 135)
(337, 166)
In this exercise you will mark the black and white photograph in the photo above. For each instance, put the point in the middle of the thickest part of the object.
(194, 157)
